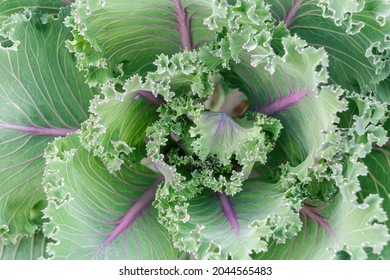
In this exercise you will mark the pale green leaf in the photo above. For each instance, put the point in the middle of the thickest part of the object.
(116, 129)
(217, 226)
(247, 139)
(355, 34)
(116, 39)
(94, 214)
(378, 181)
(25, 248)
(8, 7)
(327, 229)
(37, 103)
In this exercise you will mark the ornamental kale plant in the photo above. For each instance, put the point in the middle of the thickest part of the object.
(208, 129)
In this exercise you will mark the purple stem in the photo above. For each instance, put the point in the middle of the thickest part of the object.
(228, 210)
(39, 130)
(68, 2)
(313, 213)
(138, 207)
(284, 102)
(157, 101)
(291, 13)
(184, 26)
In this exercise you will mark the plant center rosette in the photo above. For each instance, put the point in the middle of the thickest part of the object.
(239, 148)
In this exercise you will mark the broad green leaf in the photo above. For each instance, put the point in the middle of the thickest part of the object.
(97, 215)
(354, 33)
(345, 223)
(327, 229)
(217, 226)
(116, 39)
(378, 181)
(42, 96)
(25, 248)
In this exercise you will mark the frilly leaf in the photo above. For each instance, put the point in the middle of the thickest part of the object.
(243, 27)
(96, 215)
(343, 223)
(217, 226)
(115, 132)
(339, 226)
(356, 15)
(117, 50)
(378, 181)
(248, 140)
(357, 44)
(25, 248)
(7, 8)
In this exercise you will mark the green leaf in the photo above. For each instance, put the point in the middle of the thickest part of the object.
(293, 95)
(216, 226)
(327, 229)
(354, 33)
(285, 85)
(97, 215)
(25, 248)
(8, 8)
(247, 139)
(378, 181)
(343, 223)
(116, 129)
(37, 104)
(116, 39)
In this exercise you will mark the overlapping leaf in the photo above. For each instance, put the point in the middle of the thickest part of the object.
(355, 34)
(293, 167)
(285, 86)
(97, 215)
(340, 226)
(8, 8)
(222, 226)
(378, 181)
(116, 129)
(36, 103)
(121, 38)
(25, 248)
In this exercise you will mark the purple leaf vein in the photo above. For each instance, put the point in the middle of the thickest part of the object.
(38, 130)
(313, 213)
(284, 102)
(291, 13)
(127, 221)
(183, 21)
(148, 95)
(228, 210)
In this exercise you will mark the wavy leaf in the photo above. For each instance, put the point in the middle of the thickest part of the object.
(97, 215)
(354, 33)
(25, 248)
(8, 8)
(248, 140)
(115, 39)
(349, 228)
(116, 128)
(220, 226)
(378, 181)
(36, 103)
